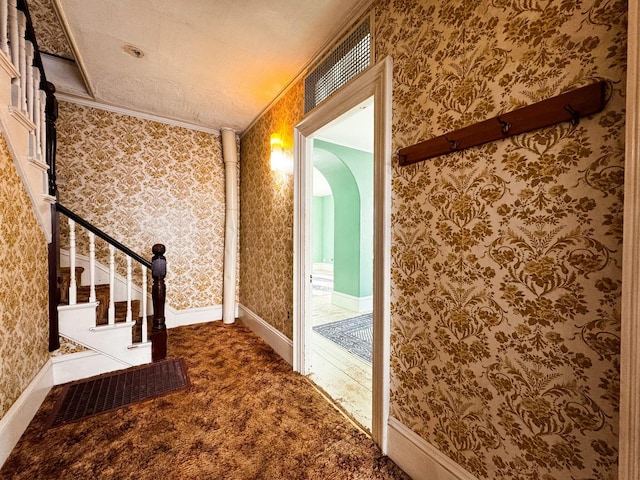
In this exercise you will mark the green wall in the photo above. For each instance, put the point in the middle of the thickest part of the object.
(323, 221)
(350, 174)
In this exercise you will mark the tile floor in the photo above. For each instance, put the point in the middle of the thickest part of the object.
(341, 374)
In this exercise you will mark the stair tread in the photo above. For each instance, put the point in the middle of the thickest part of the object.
(102, 312)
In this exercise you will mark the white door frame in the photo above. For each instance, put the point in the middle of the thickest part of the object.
(376, 83)
(629, 448)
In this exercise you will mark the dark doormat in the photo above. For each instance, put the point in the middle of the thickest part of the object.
(354, 334)
(110, 391)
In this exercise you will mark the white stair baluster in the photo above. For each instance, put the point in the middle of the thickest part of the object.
(36, 114)
(73, 288)
(12, 26)
(22, 61)
(14, 44)
(4, 22)
(92, 267)
(144, 304)
(112, 275)
(28, 48)
(35, 135)
(129, 314)
(43, 125)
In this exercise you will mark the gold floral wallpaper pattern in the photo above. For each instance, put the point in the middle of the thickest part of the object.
(506, 273)
(51, 36)
(506, 260)
(266, 216)
(145, 182)
(24, 300)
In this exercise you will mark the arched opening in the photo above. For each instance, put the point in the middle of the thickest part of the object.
(342, 274)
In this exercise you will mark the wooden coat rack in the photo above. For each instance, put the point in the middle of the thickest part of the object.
(568, 106)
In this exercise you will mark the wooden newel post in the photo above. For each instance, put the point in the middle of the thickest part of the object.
(51, 116)
(158, 294)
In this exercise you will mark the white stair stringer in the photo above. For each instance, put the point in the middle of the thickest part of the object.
(78, 323)
(18, 130)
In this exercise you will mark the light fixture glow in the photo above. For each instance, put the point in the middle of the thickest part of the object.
(279, 159)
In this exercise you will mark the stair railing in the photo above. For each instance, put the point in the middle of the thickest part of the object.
(33, 105)
(158, 271)
(29, 87)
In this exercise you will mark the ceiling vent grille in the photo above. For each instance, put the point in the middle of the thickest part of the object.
(344, 63)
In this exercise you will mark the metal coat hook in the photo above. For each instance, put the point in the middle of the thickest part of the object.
(575, 116)
(453, 144)
(506, 126)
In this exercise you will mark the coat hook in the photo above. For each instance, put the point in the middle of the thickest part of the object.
(506, 126)
(453, 144)
(575, 116)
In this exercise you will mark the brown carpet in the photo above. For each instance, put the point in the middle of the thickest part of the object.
(246, 416)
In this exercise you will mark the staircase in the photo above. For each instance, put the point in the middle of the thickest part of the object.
(102, 317)
(74, 331)
(110, 318)
(87, 322)
(25, 96)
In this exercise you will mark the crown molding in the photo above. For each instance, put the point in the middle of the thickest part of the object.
(133, 113)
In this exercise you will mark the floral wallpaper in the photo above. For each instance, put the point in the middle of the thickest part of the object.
(506, 258)
(68, 347)
(266, 216)
(51, 36)
(24, 283)
(145, 182)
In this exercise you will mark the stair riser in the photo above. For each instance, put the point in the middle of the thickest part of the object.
(77, 323)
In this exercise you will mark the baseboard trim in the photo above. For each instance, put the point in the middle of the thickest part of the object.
(178, 318)
(282, 345)
(357, 304)
(17, 419)
(85, 364)
(418, 458)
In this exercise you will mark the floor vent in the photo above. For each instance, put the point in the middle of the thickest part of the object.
(104, 393)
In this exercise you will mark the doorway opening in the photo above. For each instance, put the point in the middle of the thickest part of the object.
(373, 86)
(342, 261)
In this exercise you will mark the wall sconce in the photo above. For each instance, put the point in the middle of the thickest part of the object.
(280, 161)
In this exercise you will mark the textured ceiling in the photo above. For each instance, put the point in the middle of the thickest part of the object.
(211, 63)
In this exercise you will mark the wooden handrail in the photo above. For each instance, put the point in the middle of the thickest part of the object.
(51, 115)
(158, 267)
(107, 238)
(51, 102)
(31, 36)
